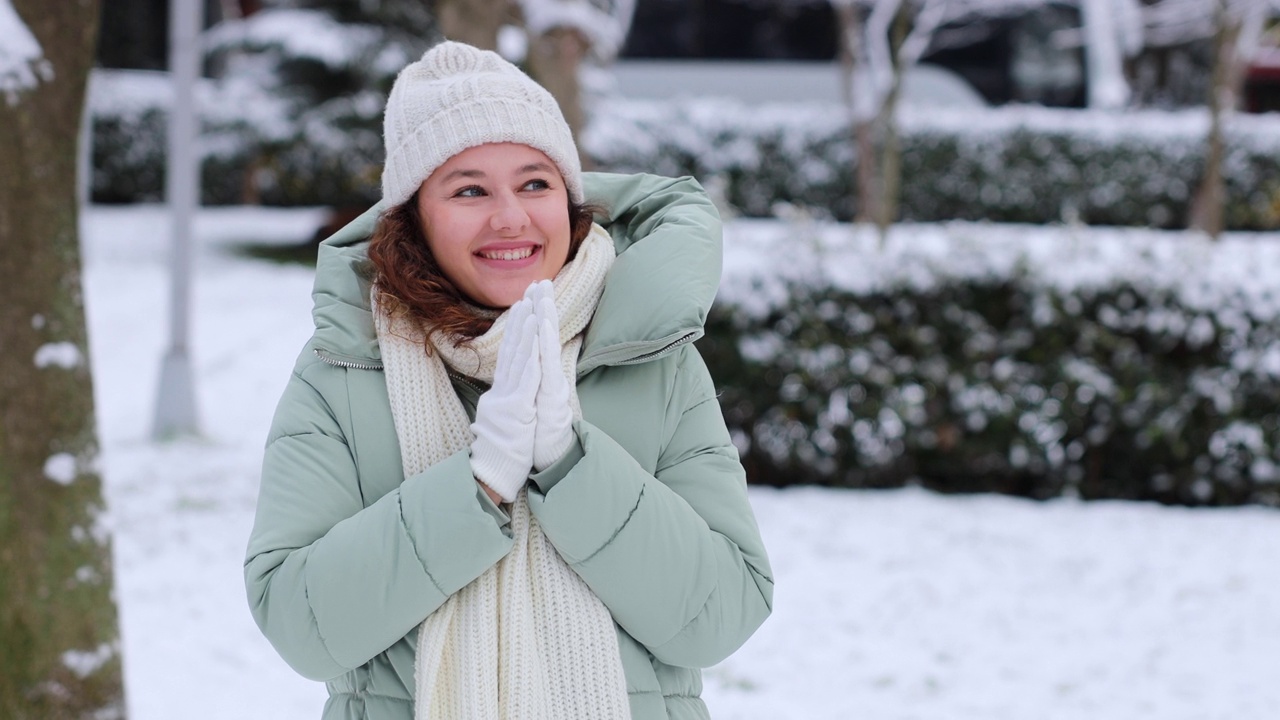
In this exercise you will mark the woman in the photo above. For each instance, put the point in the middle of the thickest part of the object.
(498, 483)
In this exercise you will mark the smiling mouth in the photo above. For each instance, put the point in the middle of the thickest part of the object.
(516, 254)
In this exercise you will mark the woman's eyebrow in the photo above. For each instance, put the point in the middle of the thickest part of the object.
(462, 173)
(536, 167)
(474, 174)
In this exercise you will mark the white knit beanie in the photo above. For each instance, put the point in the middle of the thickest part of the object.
(457, 97)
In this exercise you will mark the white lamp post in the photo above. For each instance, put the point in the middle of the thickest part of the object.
(175, 402)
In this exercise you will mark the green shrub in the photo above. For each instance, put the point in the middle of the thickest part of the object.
(128, 167)
(128, 157)
(1003, 381)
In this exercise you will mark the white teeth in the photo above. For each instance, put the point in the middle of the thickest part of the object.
(508, 254)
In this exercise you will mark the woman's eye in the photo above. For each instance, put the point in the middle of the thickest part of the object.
(470, 191)
(537, 185)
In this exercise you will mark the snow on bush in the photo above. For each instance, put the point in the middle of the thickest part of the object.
(1118, 364)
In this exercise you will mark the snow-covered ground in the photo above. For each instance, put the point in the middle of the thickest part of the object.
(889, 605)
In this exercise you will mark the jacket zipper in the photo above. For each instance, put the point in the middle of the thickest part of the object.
(666, 348)
(345, 363)
(367, 366)
(465, 381)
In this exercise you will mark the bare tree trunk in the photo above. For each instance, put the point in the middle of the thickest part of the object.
(890, 173)
(1208, 205)
(555, 58)
(891, 149)
(863, 130)
(59, 639)
(869, 199)
(475, 22)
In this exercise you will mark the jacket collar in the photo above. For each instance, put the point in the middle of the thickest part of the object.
(656, 296)
(340, 309)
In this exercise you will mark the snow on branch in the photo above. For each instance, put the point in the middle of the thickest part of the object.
(604, 23)
(22, 61)
(875, 72)
(310, 34)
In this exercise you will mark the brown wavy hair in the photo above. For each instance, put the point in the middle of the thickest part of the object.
(409, 279)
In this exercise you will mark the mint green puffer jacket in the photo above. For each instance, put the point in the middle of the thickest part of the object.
(348, 556)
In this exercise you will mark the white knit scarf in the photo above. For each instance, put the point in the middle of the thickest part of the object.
(527, 640)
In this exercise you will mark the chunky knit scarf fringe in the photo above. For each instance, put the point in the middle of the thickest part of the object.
(527, 640)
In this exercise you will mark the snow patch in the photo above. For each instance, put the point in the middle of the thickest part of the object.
(61, 354)
(61, 468)
(86, 662)
(513, 43)
(22, 61)
(606, 31)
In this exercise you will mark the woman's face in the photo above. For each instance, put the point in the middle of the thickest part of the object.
(496, 218)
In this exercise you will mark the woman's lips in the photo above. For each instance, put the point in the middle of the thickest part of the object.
(509, 257)
(509, 254)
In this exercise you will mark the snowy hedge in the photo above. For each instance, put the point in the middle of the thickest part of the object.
(1120, 364)
(1013, 164)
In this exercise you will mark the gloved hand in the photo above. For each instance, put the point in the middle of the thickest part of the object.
(502, 451)
(553, 434)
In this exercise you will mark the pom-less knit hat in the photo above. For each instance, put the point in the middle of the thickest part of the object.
(457, 97)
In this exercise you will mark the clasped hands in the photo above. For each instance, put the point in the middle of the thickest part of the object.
(524, 420)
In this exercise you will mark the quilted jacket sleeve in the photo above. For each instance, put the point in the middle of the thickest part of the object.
(331, 582)
(675, 555)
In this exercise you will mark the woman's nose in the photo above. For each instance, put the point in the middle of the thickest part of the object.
(509, 217)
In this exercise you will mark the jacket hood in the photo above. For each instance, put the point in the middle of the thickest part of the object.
(667, 235)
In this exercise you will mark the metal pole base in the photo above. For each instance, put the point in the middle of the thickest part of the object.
(176, 402)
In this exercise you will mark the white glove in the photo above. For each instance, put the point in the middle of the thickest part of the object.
(502, 452)
(554, 431)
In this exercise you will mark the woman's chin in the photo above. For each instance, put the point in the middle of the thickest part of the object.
(504, 294)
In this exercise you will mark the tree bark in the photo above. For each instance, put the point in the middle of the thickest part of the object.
(866, 187)
(891, 145)
(1208, 205)
(475, 22)
(59, 639)
(555, 57)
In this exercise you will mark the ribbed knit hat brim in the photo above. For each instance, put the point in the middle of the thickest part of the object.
(457, 97)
